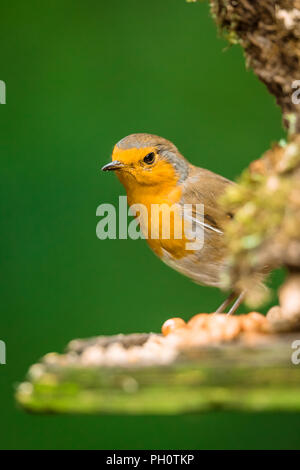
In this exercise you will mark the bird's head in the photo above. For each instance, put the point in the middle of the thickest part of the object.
(147, 160)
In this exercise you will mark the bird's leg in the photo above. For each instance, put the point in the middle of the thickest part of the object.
(226, 302)
(233, 296)
(237, 303)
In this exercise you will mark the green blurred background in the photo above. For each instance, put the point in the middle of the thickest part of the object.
(80, 75)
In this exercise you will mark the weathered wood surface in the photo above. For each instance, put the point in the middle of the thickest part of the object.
(234, 377)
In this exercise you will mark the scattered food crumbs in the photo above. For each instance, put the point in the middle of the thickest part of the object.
(154, 351)
(172, 324)
(205, 329)
(202, 330)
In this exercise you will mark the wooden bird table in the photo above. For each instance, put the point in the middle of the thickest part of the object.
(111, 375)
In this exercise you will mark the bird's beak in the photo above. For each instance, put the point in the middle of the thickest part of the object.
(115, 165)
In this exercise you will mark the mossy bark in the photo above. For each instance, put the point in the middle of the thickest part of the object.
(265, 233)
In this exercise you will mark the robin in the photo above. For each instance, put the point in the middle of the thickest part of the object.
(153, 171)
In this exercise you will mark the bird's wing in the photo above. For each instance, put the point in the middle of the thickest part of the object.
(204, 187)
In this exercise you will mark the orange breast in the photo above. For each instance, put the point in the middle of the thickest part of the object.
(160, 226)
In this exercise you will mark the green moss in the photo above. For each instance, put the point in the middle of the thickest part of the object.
(264, 209)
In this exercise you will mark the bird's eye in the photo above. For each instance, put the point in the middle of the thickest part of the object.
(148, 159)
